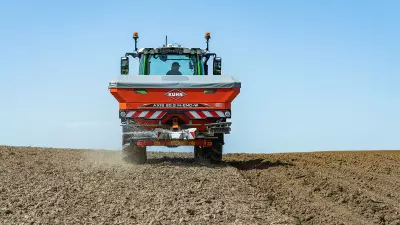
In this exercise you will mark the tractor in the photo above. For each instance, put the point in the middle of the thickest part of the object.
(173, 101)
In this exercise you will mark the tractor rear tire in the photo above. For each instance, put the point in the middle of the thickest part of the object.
(212, 154)
(215, 154)
(130, 151)
(198, 152)
(134, 154)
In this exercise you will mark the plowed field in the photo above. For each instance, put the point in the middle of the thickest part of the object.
(67, 186)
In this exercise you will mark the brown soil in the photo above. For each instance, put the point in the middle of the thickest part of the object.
(59, 186)
(328, 187)
(53, 186)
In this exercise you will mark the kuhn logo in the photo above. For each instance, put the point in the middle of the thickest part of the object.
(175, 94)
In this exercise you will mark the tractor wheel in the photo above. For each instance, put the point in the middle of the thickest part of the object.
(134, 154)
(197, 152)
(130, 151)
(216, 149)
(201, 153)
(215, 152)
(212, 154)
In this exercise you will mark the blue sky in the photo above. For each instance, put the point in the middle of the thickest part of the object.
(316, 75)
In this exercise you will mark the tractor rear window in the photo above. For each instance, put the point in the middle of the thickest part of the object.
(169, 64)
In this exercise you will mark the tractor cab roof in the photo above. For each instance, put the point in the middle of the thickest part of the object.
(171, 50)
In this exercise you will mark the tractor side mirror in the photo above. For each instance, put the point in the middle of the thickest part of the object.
(217, 66)
(124, 65)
